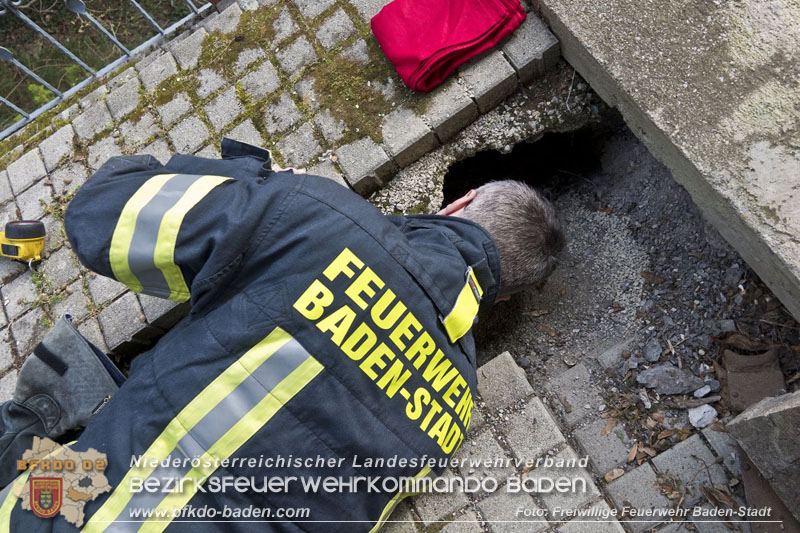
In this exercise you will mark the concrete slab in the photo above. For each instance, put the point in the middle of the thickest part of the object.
(712, 89)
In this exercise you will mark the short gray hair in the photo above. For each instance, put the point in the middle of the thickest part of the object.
(525, 229)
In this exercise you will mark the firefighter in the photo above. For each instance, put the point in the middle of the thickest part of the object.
(321, 333)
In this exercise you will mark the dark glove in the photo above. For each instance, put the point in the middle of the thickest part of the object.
(60, 386)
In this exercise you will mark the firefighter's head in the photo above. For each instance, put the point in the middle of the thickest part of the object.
(524, 227)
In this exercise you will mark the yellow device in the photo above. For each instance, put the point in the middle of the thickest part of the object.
(23, 240)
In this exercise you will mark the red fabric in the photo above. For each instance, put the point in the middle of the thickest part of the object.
(427, 39)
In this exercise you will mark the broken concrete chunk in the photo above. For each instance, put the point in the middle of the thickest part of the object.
(669, 379)
(702, 416)
(702, 391)
(768, 432)
(652, 350)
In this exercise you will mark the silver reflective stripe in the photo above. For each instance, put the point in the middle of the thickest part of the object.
(141, 255)
(215, 424)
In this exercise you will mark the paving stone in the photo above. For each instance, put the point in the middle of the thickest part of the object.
(188, 50)
(327, 169)
(573, 392)
(188, 135)
(478, 418)
(3, 323)
(500, 511)
(103, 289)
(465, 522)
(692, 463)
(296, 56)
(247, 58)
(246, 132)
(75, 304)
(305, 89)
(571, 499)
(532, 49)
(369, 8)
(69, 177)
(61, 267)
(299, 147)
(8, 213)
(312, 8)
(8, 384)
(57, 147)
(533, 431)
(124, 99)
(251, 5)
(161, 312)
(159, 70)
(365, 165)
(9, 269)
(726, 447)
(94, 97)
(224, 108)
(605, 452)
(121, 320)
(281, 115)
(335, 29)
(358, 52)
(91, 330)
(227, 21)
(54, 237)
(28, 331)
(92, 121)
(612, 357)
(449, 110)
(284, 26)
(638, 489)
(579, 525)
(261, 82)
(26, 171)
(30, 201)
(501, 382)
(5, 188)
(209, 152)
(433, 506)
(489, 78)
(121, 79)
(332, 129)
(407, 137)
(16, 293)
(401, 520)
(481, 446)
(210, 81)
(6, 355)
(101, 151)
(158, 149)
(136, 133)
(178, 106)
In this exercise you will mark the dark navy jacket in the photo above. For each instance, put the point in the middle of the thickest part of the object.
(319, 329)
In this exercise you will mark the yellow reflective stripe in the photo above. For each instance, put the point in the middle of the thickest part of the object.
(11, 501)
(461, 318)
(189, 416)
(123, 233)
(240, 433)
(400, 496)
(168, 235)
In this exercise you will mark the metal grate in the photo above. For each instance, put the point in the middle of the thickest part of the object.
(14, 8)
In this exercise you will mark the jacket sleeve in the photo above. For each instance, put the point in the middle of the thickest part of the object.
(166, 234)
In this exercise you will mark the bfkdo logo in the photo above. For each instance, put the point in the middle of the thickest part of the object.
(46, 495)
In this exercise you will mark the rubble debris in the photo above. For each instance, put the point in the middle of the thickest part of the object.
(652, 350)
(668, 379)
(702, 391)
(702, 416)
(768, 432)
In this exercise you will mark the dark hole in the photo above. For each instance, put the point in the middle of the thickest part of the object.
(551, 164)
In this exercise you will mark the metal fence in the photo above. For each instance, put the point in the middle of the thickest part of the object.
(78, 7)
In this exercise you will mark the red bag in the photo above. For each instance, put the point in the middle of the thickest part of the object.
(427, 39)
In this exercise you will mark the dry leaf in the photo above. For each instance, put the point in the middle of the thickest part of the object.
(609, 426)
(658, 417)
(650, 423)
(649, 277)
(648, 450)
(667, 433)
(536, 312)
(632, 454)
(613, 474)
